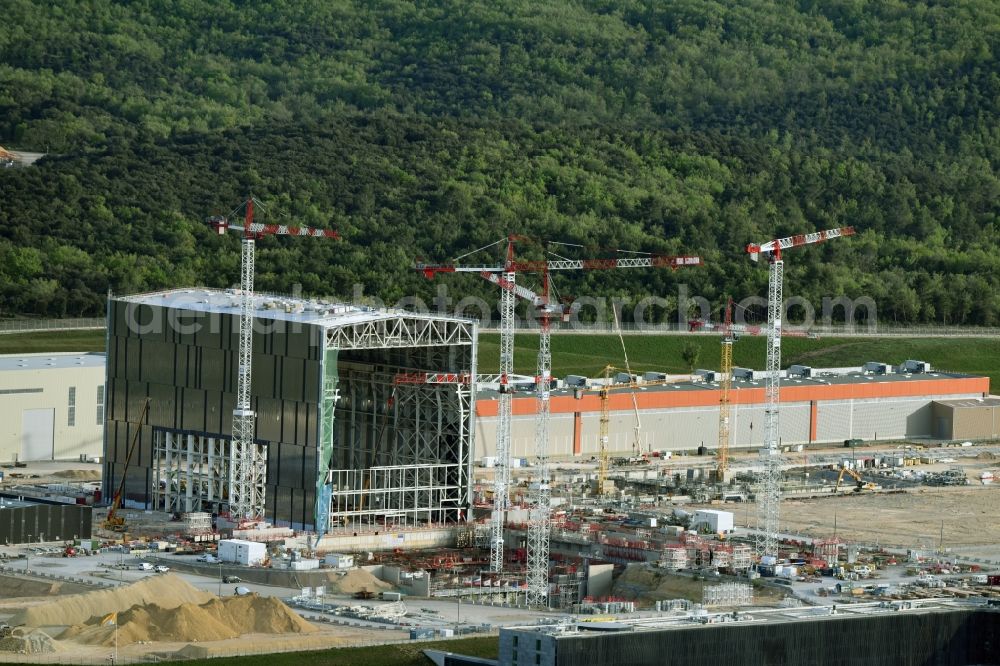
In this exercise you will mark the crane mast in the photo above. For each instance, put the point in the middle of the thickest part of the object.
(769, 493)
(725, 386)
(248, 460)
(501, 472)
(603, 433)
(541, 510)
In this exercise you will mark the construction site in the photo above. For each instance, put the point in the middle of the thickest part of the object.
(283, 473)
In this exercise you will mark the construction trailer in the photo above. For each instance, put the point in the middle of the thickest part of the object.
(347, 445)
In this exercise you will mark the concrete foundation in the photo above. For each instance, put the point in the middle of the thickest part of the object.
(352, 542)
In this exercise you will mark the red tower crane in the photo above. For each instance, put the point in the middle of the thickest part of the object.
(504, 275)
(248, 462)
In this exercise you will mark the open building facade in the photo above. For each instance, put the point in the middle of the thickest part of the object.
(364, 415)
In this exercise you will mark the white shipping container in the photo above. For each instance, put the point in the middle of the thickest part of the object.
(250, 553)
(339, 560)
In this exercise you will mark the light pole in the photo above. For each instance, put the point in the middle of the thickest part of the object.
(220, 578)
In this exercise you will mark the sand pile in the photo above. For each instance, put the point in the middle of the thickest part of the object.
(28, 642)
(214, 620)
(353, 581)
(79, 474)
(167, 591)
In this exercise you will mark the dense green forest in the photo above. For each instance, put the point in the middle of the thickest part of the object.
(429, 129)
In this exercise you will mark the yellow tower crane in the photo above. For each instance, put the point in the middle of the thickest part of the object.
(725, 385)
(604, 393)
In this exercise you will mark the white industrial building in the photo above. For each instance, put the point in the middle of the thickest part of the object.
(52, 406)
(717, 522)
(250, 553)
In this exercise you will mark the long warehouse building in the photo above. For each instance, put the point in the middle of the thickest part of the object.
(873, 402)
(363, 413)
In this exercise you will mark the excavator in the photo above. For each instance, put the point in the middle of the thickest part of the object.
(114, 522)
(860, 485)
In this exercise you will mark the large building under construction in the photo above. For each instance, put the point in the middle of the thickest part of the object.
(818, 405)
(371, 407)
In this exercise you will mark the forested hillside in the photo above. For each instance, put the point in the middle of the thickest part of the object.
(428, 129)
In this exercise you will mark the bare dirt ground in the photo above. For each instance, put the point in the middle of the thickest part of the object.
(911, 519)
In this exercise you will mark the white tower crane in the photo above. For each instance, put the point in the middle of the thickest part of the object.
(769, 495)
(540, 510)
(248, 460)
(504, 276)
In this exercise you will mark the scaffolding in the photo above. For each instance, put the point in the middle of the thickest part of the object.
(728, 594)
(674, 557)
(197, 522)
(394, 496)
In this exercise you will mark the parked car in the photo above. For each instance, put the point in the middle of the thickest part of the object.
(208, 557)
(232, 579)
(161, 568)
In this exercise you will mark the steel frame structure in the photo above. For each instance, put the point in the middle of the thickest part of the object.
(394, 495)
(350, 358)
(190, 472)
(428, 414)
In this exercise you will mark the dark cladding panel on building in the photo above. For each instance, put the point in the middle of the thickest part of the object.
(179, 349)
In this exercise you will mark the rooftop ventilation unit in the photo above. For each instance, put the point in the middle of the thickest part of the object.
(915, 367)
(707, 376)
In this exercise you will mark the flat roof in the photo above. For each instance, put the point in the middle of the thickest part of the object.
(7, 503)
(317, 311)
(851, 379)
(52, 361)
(754, 616)
(985, 402)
